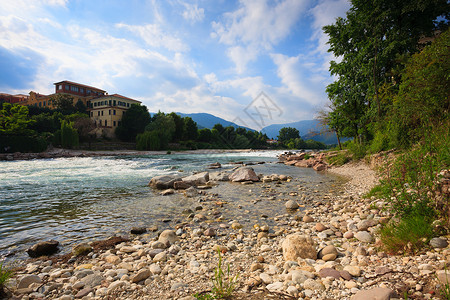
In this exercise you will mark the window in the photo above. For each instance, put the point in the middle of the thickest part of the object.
(99, 122)
(114, 102)
(88, 92)
(81, 90)
(114, 112)
(59, 86)
(109, 103)
(106, 122)
(44, 103)
(128, 104)
(92, 113)
(114, 123)
(67, 87)
(119, 123)
(98, 113)
(40, 104)
(102, 112)
(109, 111)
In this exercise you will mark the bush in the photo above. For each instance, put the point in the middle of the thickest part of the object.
(408, 234)
(69, 135)
(149, 140)
(5, 275)
(357, 150)
(20, 143)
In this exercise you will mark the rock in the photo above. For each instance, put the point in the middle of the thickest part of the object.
(191, 192)
(155, 269)
(113, 259)
(311, 284)
(236, 225)
(438, 243)
(209, 232)
(178, 285)
(383, 270)
(308, 219)
(138, 230)
(291, 204)
(164, 181)
(375, 294)
(83, 292)
(275, 286)
(346, 275)
(330, 249)
(43, 249)
(329, 272)
(197, 179)
(298, 276)
(266, 278)
(320, 167)
(366, 224)
(348, 234)
(168, 237)
(353, 270)
(215, 165)
(364, 236)
(141, 275)
(329, 257)
(320, 227)
(92, 280)
(443, 276)
(116, 285)
(160, 256)
(81, 249)
(181, 185)
(27, 280)
(219, 176)
(298, 246)
(167, 192)
(244, 174)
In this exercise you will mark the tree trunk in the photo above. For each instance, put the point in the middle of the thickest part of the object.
(339, 140)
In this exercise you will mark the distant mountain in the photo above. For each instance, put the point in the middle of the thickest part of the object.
(308, 129)
(205, 120)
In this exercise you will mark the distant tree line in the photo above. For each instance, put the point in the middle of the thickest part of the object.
(290, 138)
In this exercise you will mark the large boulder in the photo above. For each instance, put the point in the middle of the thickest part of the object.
(244, 174)
(298, 246)
(197, 179)
(164, 182)
(43, 249)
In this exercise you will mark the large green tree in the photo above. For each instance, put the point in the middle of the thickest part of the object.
(368, 43)
(134, 121)
(14, 120)
(287, 133)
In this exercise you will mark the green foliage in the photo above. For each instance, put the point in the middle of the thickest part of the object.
(5, 275)
(287, 133)
(224, 283)
(149, 140)
(69, 135)
(357, 150)
(190, 130)
(14, 120)
(64, 103)
(164, 125)
(23, 143)
(339, 159)
(134, 121)
(205, 135)
(408, 234)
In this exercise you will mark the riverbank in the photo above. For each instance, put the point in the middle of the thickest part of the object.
(339, 258)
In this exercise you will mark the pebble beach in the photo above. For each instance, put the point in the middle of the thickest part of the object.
(327, 249)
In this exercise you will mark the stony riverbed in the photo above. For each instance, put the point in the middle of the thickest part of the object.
(337, 259)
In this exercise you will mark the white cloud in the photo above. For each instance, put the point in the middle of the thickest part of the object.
(193, 13)
(154, 36)
(258, 26)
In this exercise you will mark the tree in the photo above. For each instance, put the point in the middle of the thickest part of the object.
(69, 135)
(190, 129)
(63, 102)
(179, 127)
(287, 133)
(205, 135)
(14, 120)
(134, 121)
(149, 140)
(165, 127)
(80, 107)
(84, 127)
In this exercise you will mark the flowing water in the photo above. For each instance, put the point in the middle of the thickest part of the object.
(81, 199)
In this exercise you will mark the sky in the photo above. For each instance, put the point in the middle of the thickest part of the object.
(254, 62)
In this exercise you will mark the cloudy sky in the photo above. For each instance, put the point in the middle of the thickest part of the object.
(256, 62)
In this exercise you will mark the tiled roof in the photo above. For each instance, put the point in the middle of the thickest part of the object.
(79, 84)
(117, 96)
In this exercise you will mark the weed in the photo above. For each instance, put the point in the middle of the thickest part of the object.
(407, 234)
(339, 159)
(5, 275)
(223, 283)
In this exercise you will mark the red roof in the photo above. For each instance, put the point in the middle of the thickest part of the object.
(79, 84)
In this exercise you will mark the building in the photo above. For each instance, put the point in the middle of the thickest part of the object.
(79, 92)
(14, 99)
(107, 112)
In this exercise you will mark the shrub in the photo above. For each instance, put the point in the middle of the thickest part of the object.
(5, 275)
(22, 143)
(149, 140)
(69, 135)
(408, 234)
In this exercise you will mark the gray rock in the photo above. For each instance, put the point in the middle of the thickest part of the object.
(141, 275)
(219, 176)
(164, 181)
(375, 294)
(181, 185)
(178, 285)
(291, 204)
(27, 280)
(43, 249)
(191, 192)
(197, 179)
(244, 174)
(438, 243)
(92, 280)
(364, 236)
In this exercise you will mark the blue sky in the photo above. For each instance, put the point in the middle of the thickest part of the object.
(213, 56)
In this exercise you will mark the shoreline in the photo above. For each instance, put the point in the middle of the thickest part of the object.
(150, 269)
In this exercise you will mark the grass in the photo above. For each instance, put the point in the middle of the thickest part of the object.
(445, 289)
(224, 283)
(409, 234)
(5, 275)
(339, 159)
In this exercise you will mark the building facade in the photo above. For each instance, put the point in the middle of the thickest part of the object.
(107, 112)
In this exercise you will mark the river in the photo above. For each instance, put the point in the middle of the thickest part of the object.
(83, 199)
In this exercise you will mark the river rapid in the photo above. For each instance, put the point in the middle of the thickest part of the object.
(84, 199)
